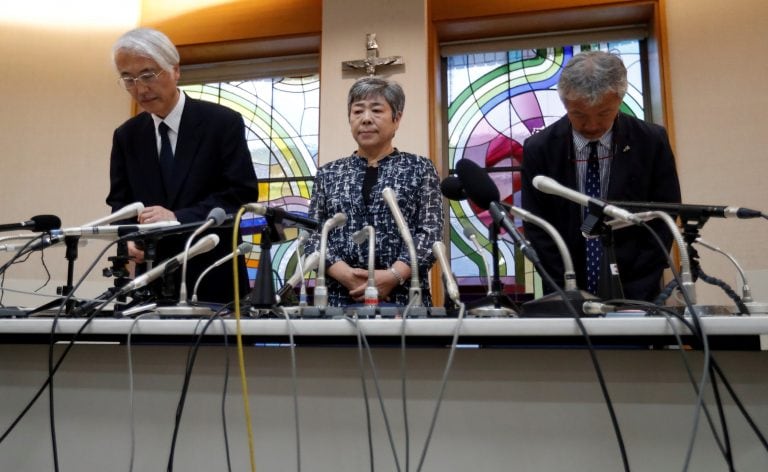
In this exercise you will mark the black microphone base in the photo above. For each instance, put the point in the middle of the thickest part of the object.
(554, 306)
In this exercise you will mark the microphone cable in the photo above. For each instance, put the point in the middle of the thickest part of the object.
(294, 383)
(239, 338)
(374, 374)
(191, 357)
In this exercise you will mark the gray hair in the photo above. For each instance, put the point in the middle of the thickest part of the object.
(149, 43)
(368, 87)
(591, 75)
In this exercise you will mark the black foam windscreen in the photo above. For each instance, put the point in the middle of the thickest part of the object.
(478, 185)
(45, 223)
(452, 188)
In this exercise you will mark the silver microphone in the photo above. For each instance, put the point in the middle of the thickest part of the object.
(321, 291)
(438, 249)
(306, 264)
(215, 218)
(111, 231)
(129, 211)
(243, 248)
(472, 235)
(205, 244)
(551, 186)
(414, 293)
(371, 295)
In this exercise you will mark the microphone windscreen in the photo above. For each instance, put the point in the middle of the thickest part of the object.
(45, 223)
(218, 216)
(452, 189)
(478, 185)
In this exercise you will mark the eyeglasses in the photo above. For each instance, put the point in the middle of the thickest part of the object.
(147, 79)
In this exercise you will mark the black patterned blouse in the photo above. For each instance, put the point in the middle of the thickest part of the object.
(338, 188)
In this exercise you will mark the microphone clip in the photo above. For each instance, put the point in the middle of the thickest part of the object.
(594, 219)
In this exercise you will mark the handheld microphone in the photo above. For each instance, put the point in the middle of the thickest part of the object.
(551, 186)
(308, 264)
(390, 198)
(472, 235)
(452, 188)
(279, 215)
(38, 224)
(321, 291)
(112, 231)
(205, 244)
(371, 295)
(481, 189)
(129, 211)
(243, 248)
(438, 249)
(692, 211)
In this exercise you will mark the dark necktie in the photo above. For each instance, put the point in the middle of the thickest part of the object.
(166, 155)
(593, 245)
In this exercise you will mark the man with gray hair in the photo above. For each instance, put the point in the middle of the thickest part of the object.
(600, 151)
(180, 157)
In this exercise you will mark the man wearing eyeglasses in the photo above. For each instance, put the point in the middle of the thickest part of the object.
(604, 153)
(180, 157)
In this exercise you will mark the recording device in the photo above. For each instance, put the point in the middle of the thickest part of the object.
(131, 210)
(551, 186)
(279, 215)
(321, 291)
(205, 244)
(692, 211)
(414, 292)
(438, 249)
(243, 248)
(371, 295)
(38, 224)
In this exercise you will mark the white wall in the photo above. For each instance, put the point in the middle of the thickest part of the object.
(61, 103)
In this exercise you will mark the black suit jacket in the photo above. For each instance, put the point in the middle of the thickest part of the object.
(643, 169)
(212, 168)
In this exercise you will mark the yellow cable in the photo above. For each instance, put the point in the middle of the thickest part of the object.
(239, 337)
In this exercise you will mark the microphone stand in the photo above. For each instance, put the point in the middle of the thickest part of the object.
(71, 255)
(262, 294)
(496, 303)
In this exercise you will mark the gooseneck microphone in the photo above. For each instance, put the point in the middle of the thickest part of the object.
(308, 264)
(279, 215)
(243, 248)
(205, 244)
(321, 291)
(438, 249)
(38, 224)
(371, 295)
(551, 186)
(470, 233)
(414, 292)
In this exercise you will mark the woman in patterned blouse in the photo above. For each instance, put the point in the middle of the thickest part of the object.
(353, 185)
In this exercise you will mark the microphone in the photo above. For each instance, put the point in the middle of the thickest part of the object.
(129, 211)
(308, 264)
(112, 231)
(692, 211)
(39, 224)
(205, 244)
(279, 215)
(438, 249)
(551, 186)
(45, 242)
(472, 235)
(484, 193)
(321, 291)
(452, 189)
(215, 218)
(243, 248)
(390, 198)
(371, 295)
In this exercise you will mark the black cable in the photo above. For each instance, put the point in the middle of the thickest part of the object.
(726, 288)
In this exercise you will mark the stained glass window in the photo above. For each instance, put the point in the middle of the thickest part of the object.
(281, 117)
(495, 101)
